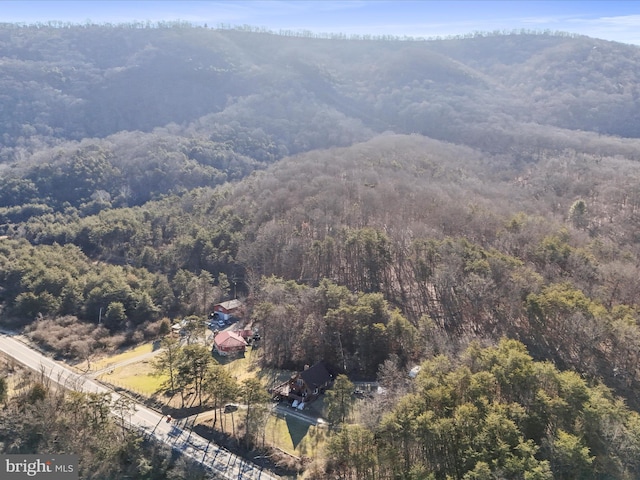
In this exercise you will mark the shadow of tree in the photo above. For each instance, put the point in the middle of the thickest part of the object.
(273, 376)
(226, 359)
(297, 430)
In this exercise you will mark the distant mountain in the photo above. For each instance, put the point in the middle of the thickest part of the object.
(77, 82)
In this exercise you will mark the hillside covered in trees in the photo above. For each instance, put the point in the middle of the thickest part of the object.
(378, 203)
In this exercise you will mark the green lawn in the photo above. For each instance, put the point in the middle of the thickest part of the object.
(121, 357)
(242, 367)
(295, 436)
(138, 378)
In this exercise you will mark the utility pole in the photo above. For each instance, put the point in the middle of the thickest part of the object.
(344, 363)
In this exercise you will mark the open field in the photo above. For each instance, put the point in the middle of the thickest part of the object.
(294, 436)
(138, 377)
(129, 354)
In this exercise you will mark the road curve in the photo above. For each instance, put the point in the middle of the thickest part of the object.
(222, 463)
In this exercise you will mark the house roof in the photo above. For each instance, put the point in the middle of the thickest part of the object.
(228, 340)
(316, 376)
(230, 304)
(246, 333)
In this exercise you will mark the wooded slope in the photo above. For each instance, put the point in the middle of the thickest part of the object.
(373, 201)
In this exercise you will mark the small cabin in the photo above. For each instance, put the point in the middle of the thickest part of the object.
(227, 309)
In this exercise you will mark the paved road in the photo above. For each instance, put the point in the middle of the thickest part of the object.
(221, 462)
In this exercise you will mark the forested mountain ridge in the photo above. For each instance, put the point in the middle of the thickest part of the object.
(379, 203)
(217, 104)
(74, 83)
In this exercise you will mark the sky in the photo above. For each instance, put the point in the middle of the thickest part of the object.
(610, 20)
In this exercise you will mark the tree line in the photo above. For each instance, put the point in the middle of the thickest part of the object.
(490, 412)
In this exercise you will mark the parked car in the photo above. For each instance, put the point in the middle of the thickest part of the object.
(221, 323)
(230, 407)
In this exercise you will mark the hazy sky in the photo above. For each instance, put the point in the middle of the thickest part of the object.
(611, 20)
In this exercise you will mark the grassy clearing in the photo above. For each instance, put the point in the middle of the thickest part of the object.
(295, 436)
(241, 367)
(248, 366)
(271, 377)
(123, 356)
(138, 378)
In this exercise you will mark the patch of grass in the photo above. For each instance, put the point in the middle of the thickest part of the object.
(241, 367)
(295, 436)
(271, 377)
(138, 378)
(121, 357)
(289, 433)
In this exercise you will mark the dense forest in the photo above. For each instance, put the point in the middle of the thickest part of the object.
(469, 204)
(494, 413)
